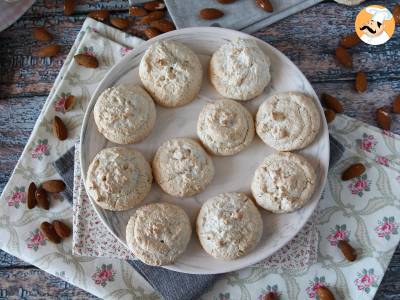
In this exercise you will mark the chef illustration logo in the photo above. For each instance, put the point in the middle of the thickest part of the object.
(375, 25)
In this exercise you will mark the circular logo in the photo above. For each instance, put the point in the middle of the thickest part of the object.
(375, 25)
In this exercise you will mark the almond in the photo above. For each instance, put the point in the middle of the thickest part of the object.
(41, 198)
(332, 103)
(59, 129)
(226, 1)
(154, 15)
(383, 118)
(396, 105)
(69, 103)
(49, 51)
(154, 5)
(329, 115)
(350, 40)
(120, 23)
(31, 202)
(69, 7)
(53, 186)
(137, 11)
(99, 15)
(151, 32)
(49, 232)
(163, 25)
(396, 14)
(270, 296)
(324, 293)
(344, 57)
(347, 250)
(62, 230)
(211, 13)
(361, 82)
(42, 35)
(86, 60)
(265, 5)
(353, 171)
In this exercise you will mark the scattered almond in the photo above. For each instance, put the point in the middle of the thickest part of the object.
(324, 293)
(211, 13)
(49, 51)
(270, 296)
(396, 105)
(62, 230)
(350, 40)
(69, 7)
(59, 129)
(120, 23)
(361, 82)
(163, 25)
(151, 32)
(332, 103)
(344, 57)
(353, 171)
(99, 15)
(86, 60)
(347, 250)
(383, 118)
(329, 115)
(49, 232)
(226, 1)
(42, 35)
(154, 5)
(154, 15)
(69, 103)
(31, 202)
(137, 11)
(41, 198)
(396, 14)
(265, 5)
(53, 186)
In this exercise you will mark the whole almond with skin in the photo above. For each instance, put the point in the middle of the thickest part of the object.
(383, 118)
(348, 251)
(344, 57)
(151, 32)
(42, 35)
(49, 51)
(41, 198)
(86, 60)
(329, 115)
(270, 296)
(396, 14)
(154, 5)
(69, 103)
(62, 230)
(154, 15)
(59, 129)
(31, 201)
(69, 7)
(324, 293)
(120, 23)
(396, 105)
(265, 5)
(353, 171)
(53, 186)
(49, 232)
(211, 13)
(332, 103)
(350, 40)
(361, 82)
(226, 1)
(138, 11)
(163, 25)
(99, 15)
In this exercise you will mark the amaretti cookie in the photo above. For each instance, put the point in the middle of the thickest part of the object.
(229, 226)
(182, 167)
(240, 70)
(125, 114)
(118, 178)
(171, 73)
(225, 127)
(158, 233)
(284, 182)
(288, 121)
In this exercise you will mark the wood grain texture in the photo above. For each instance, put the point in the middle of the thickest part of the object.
(307, 38)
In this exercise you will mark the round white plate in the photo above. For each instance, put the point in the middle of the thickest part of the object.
(233, 173)
(11, 11)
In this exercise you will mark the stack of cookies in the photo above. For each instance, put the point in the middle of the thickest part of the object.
(229, 225)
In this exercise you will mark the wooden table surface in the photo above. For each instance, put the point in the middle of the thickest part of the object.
(308, 38)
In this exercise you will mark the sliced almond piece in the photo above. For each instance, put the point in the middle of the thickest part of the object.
(154, 15)
(210, 13)
(53, 186)
(42, 35)
(120, 23)
(332, 103)
(265, 5)
(353, 171)
(59, 129)
(86, 60)
(350, 40)
(344, 57)
(383, 118)
(49, 232)
(151, 32)
(396, 105)
(138, 11)
(348, 251)
(361, 82)
(154, 5)
(163, 25)
(31, 201)
(49, 51)
(69, 7)
(99, 15)
(69, 103)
